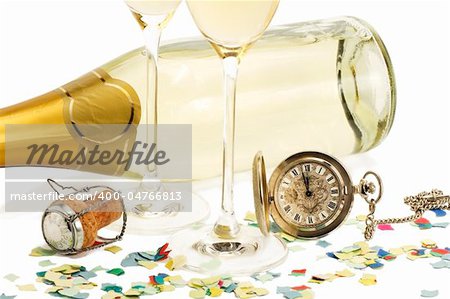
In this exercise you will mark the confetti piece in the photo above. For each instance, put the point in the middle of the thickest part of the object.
(423, 223)
(113, 249)
(368, 279)
(98, 268)
(148, 264)
(441, 224)
(72, 293)
(429, 294)
(112, 295)
(428, 244)
(385, 227)
(267, 276)
(287, 238)
(40, 251)
(197, 294)
(299, 272)
(176, 262)
(361, 218)
(295, 248)
(27, 288)
(11, 277)
(439, 212)
(376, 265)
(440, 264)
(109, 286)
(46, 263)
(323, 243)
(133, 292)
(116, 271)
(345, 273)
(162, 253)
(250, 216)
(300, 288)
(85, 274)
(3, 296)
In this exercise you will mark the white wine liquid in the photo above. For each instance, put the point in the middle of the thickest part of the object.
(153, 7)
(232, 24)
(325, 85)
(322, 85)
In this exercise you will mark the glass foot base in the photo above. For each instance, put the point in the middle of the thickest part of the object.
(141, 221)
(250, 252)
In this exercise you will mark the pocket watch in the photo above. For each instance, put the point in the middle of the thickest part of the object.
(309, 194)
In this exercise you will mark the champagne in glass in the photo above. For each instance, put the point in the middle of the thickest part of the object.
(231, 26)
(153, 16)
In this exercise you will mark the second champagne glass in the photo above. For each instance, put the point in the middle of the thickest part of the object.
(153, 16)
(231, 26)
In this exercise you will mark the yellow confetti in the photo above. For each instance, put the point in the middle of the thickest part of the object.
(396, 251)
(211, 280)
(408, 248)
(287, 237)
(368, 279)
(148, 264)
(176, 262)
(113, 249)
(345, 273)
(112, 295)
(52, 276)
(250, 216)
(27, 288)
(197, 294)
(429, 244)
(260, 291)
(133, 292)
(215, 291)
(166, 288)
(361, 217)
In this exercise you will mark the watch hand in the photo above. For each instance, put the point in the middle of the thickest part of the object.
(306, 181)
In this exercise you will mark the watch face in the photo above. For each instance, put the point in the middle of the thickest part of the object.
(311, 194)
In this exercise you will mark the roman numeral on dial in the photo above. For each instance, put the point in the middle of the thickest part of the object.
(334, 191)
(330, 179)
(287, 208)
(332, 205)
(320, 170)
(306, 167)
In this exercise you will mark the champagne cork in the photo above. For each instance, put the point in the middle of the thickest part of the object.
(81, 233)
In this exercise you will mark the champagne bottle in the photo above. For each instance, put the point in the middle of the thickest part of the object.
(323, 85)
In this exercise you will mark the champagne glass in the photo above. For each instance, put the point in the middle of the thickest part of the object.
(231, 27)
(153, 16)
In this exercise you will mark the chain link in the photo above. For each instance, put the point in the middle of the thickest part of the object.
(419, 203)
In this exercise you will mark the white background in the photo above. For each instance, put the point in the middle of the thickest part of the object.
(44, 44)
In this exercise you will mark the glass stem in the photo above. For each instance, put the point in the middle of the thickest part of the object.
(227, 225)
(152, 35)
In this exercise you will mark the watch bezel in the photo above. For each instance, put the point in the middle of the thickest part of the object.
(344, 180)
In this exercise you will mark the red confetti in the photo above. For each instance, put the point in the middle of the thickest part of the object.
(162, 253)
(440, 251)
(422, 221)
(385, 227)
(301, 288)
(300, 271)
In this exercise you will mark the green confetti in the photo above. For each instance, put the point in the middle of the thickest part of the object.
(40, 251)
(116, 271)
(46, 263)
(11, 277)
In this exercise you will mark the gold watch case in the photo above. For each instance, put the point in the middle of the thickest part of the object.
(267, 201)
